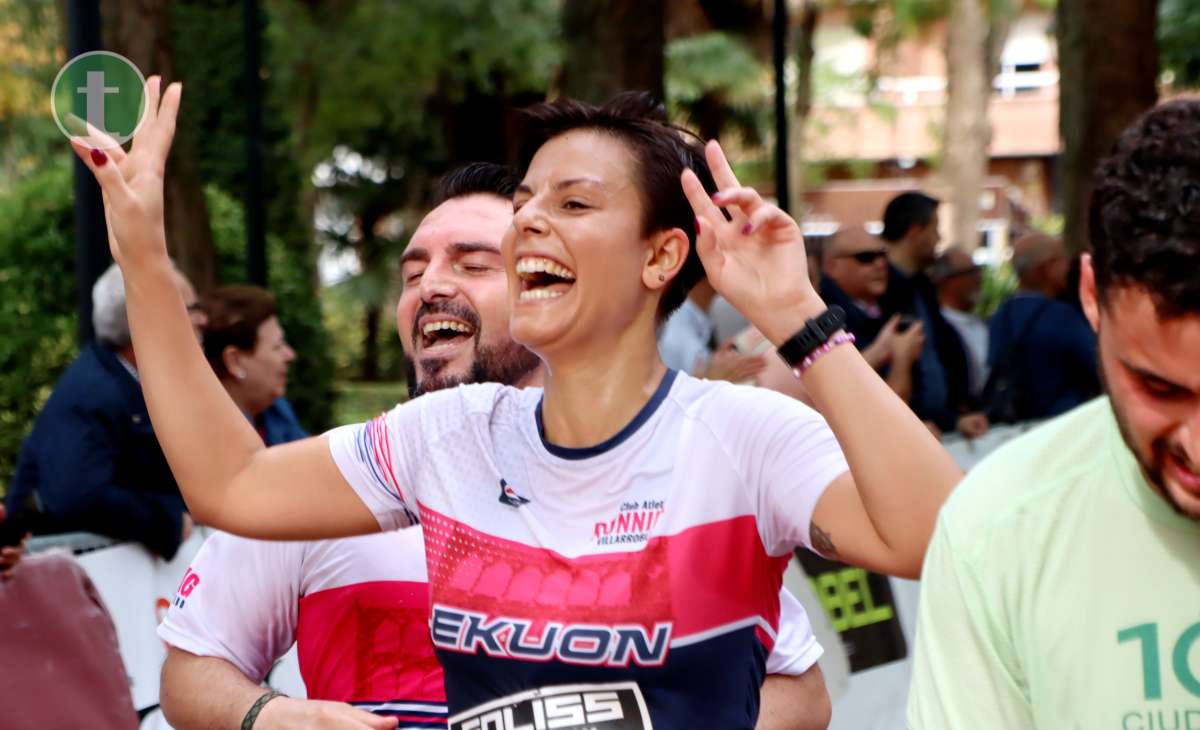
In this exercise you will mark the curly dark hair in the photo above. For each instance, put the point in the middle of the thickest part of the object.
(1144, 216)
(662, 151)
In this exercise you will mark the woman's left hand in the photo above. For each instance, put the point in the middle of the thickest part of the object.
(757, 260)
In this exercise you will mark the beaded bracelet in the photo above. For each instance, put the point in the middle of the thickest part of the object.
(841, 338)
(252, 713)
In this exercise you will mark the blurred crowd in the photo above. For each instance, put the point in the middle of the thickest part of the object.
(915, 315)
(92, 462)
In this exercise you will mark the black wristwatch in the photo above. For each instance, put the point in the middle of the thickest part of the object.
(816, 332)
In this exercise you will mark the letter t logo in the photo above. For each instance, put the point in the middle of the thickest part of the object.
(94, 92)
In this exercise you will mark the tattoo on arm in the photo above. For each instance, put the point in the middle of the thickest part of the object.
(822, 541)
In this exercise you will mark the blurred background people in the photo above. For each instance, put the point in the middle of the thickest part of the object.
(1042, 351)
(855, 278)
(245, 345)
(92, 462)
(940, 393)
(687, 342)
(855, 267)
(959, 283)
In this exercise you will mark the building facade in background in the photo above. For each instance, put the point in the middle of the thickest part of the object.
(871, 142)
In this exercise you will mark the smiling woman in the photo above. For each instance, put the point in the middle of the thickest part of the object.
(609, 548)
(245, 345)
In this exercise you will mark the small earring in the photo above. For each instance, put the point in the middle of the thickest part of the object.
(241, 376)
(661, 277)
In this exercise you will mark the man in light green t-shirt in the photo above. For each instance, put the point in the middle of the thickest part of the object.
(1062, 585)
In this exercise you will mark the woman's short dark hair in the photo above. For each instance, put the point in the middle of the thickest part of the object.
(474, 178)
(1144, 215)
(234, 315)
(662, 151)
(905, 211)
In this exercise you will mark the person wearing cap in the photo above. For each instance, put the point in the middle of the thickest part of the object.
(959, 282)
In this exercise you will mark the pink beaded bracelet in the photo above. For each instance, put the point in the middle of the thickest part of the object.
(841, 338)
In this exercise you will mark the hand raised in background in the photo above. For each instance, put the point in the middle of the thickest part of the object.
(729, 364)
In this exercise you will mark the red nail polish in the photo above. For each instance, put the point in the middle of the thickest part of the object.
(747, 229)
(697, 226)
(99, 158)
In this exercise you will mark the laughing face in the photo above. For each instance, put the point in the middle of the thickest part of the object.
(453, 312)
(1149, 369)
(575, 241)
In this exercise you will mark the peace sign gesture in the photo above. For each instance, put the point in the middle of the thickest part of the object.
(132, 183)
(756, 260)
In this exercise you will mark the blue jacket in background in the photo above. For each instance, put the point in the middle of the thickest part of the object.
(1055, 367)
(278, 424)
(941, 386)
(92, 461)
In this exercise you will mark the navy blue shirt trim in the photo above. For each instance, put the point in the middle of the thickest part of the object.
(563, 452)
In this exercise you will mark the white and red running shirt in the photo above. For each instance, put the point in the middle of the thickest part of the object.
(358, 609)
(626, 585)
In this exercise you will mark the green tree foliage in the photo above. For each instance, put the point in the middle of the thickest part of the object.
(29, 45)
(208, 37)
(718, 83)
(1179, 40)
(38, 309)
(310, 378)
(408, 90)
(395, 64)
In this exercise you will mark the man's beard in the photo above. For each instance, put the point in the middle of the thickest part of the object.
(1152, 464)
(506, 364)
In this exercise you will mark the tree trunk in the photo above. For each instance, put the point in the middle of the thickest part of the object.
(372, 256)
(613, 46)
(1109, 71)
(372, 315)
(140, 30)
(967, 128)
(805, 52)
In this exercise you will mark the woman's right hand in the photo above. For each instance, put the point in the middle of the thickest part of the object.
(132, 183)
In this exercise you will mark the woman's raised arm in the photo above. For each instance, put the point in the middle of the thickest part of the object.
(880, 516)
(228, 478)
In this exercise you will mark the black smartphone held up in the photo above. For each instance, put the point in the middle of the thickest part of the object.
(906, 321)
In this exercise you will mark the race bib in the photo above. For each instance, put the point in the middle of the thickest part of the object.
(616, 706)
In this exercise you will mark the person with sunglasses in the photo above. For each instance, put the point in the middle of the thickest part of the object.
(855, 278)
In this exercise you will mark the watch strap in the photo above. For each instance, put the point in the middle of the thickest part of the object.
(815, 333)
